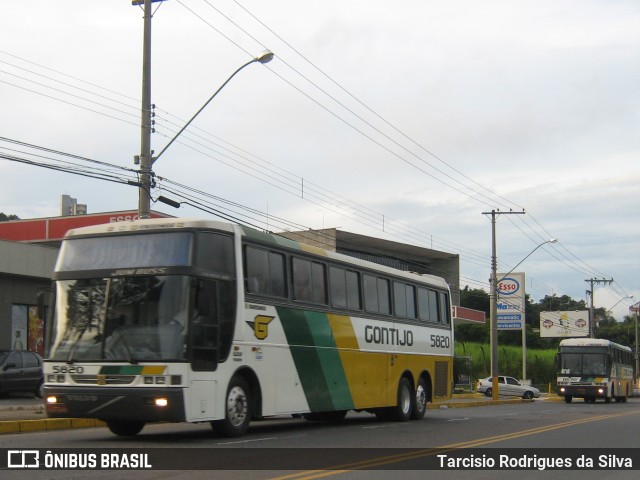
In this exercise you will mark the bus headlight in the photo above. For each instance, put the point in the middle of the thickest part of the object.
(161, 402)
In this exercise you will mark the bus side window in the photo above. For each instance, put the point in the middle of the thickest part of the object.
(265, 272)
(445, 310)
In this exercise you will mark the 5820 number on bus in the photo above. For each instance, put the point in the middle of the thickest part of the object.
(440, 341)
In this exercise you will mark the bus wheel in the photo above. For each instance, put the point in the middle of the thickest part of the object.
(237, 409)
(420, 402)
(125, 428)
(404, 409)
(568, 398)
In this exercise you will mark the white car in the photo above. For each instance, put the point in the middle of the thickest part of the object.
(507, 386)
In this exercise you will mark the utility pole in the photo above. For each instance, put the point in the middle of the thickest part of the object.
(592, 282)
(636, 310)
(493, 301)
(146, 176)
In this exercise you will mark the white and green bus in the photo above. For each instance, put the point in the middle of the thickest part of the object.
(592, 368)
(200, 321)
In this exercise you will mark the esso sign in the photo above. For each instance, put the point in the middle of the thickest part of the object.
(123, 218)
(508, 286)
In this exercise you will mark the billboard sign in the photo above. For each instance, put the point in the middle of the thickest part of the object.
(510, 301)
(564, 324)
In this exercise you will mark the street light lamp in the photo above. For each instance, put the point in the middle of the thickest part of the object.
(524, 326)
(616, 304)
(145, 167)
(551, 240)
(264, 57)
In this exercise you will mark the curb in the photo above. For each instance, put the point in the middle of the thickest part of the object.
(23, 426)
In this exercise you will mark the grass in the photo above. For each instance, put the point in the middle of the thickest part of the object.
(540, 363)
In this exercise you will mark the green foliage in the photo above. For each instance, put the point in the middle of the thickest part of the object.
(478, 299)
(619, 332)
(4, 217)
(540, 363)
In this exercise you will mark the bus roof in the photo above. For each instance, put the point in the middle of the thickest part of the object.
(591, 342)
(149, 225)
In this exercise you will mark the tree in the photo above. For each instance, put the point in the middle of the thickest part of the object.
(4, 217)
(618, 332)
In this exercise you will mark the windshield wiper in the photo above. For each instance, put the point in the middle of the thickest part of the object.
(130, 358)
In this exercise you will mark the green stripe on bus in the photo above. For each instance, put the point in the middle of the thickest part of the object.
(132, 370)
(317, 360)
(121, 370)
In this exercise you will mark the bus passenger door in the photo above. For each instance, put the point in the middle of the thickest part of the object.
(205, 348)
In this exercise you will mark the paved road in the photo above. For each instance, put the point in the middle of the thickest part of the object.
(527, 426)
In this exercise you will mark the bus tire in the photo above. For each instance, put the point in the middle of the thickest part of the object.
(406, 401)
(568, 398)
(420, 400)
(125, 428)
(237, 411)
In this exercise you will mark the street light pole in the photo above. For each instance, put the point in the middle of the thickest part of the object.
(524, 326)
(264, 57)
(146, 160)
(610, 310)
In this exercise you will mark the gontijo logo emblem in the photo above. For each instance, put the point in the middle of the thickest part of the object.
(260, 326)
(508, 286)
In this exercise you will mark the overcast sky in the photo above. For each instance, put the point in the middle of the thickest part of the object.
(404, 120)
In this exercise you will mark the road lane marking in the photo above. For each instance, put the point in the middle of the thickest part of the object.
(390, 459)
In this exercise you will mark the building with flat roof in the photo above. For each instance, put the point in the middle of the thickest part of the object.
(28, 253)
(401, 256)
(29, 248)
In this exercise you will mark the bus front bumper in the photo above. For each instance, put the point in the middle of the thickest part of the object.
(582, 391)
(141, 404)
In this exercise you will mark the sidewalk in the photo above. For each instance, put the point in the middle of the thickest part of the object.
(465, 400)
(21, 417)
(18, 418)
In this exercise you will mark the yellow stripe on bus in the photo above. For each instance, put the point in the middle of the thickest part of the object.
(366, 372)
(153, 369)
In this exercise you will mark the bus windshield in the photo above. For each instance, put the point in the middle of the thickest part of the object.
(122, 319)
(583, 364)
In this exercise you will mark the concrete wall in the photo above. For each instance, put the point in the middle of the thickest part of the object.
(25, 270)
